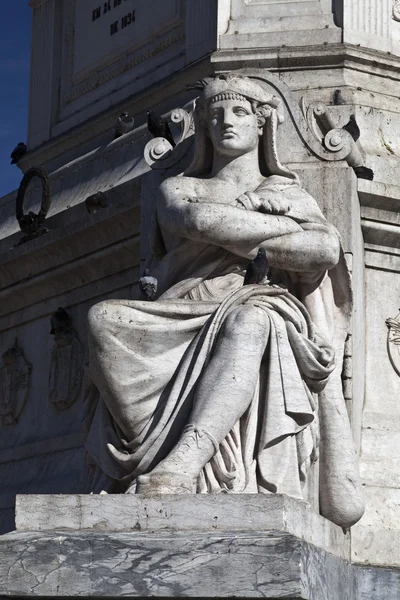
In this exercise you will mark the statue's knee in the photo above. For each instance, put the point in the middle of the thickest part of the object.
(247, 319)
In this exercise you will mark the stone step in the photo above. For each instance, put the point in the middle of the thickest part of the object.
(195, 513)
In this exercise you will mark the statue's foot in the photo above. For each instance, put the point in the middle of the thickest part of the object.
(167, 482)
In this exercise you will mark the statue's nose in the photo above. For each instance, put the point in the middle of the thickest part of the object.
(227, 123)
(227, 119)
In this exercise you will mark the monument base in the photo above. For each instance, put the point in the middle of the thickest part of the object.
(186, 546)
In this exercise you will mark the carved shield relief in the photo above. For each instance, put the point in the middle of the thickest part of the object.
(393, 342)
(14, 381)
(66, 370)
(396, 10)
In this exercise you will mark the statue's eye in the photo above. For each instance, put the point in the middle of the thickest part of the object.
(240, 111)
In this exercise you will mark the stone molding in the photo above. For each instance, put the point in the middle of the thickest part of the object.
(380, 205)
(245, 9)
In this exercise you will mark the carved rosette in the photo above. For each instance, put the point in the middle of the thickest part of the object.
(66, 368)
(393, 342)
(396, 10)
(14, 383)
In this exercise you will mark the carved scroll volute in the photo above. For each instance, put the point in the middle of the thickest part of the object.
(158, 152)
(318, 119)
(338, 142)
(14, 383)
(393, 342)
(66, 366)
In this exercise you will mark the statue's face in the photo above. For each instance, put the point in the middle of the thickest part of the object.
(233, 127)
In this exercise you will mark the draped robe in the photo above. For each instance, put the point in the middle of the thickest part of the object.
(149, 357)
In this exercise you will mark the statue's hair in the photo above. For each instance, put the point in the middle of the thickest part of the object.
(227, 96)
(266, 107)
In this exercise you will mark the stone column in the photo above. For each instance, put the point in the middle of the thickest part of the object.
(43, 78)
(368, 23)
(201, 26)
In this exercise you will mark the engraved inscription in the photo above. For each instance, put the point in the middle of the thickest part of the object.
(104, 30)
(99, 47)
(119, 24)
(125, 21)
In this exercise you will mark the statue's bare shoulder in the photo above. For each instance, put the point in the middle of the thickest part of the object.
(181, 188)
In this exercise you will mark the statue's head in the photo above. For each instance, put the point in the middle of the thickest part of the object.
(233, 116)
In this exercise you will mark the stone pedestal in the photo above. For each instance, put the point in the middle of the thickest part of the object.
(186, 546)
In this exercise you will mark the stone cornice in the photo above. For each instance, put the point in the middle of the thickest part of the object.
(306, 57)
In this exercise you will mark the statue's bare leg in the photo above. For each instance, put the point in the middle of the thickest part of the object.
(224, 393)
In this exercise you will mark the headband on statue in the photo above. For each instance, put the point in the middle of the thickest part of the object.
(231, 87)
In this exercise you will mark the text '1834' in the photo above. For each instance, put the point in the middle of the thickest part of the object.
(119, 24)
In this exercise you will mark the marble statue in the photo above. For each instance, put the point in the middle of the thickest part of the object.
(216, 386)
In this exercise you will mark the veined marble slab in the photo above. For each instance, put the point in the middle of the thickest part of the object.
(216, 564)
(197, 565)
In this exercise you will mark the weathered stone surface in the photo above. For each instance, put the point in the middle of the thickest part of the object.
(377, 584)
(202, 546)
(201, 513)
(59, 270)
(273, 565)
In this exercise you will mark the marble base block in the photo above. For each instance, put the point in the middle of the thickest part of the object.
(186, 546)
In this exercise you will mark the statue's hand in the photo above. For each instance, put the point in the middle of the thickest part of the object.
(274, 206)
(248, 201)
(267, 203)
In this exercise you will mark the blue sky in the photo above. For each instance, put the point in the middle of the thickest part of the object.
(15, 32)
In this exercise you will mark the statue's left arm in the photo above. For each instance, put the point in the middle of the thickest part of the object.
(316, 247)
(290, 243)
